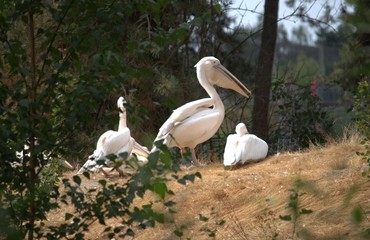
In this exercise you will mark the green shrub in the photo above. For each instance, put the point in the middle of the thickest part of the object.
(298, 117)
(362, 110)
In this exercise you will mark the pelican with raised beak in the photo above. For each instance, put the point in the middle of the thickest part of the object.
(197, 121)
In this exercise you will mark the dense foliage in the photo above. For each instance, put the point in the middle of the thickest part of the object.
(61, 64)
(299, 117)
(362, 109)
(353, 66)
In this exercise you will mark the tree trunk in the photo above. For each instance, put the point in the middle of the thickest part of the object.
(264, 70)
(32, 114)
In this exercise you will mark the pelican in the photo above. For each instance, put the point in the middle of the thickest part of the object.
(197, 121)
(114, 142)
(243, 147)
(138, 150)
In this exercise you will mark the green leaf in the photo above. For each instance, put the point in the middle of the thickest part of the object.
(217, 8)
(77, 180)
(182, 181)
(102, 161)
(129, 232)
(203, 218)
(211, 234)
(169, 203)
(306, 211)
(198, 175)
(110, 235)
(68, 216)
(221, 223)
(357, 214)
(86, 174)
(103, 182)
(118, 229)
(160, 188)
(108, 229)
(190, 177)
(285, 218)
(178, 233)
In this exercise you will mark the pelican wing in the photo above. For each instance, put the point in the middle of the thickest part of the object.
(196, 129)
(252, 148)
(118, 142)
(139, 150)
(230, 150)
(110, 142)
(182, 113)
(103, 138)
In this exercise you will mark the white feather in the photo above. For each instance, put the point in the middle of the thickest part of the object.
(243, 147)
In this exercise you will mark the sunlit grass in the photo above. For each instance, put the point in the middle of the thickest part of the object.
(250, 199)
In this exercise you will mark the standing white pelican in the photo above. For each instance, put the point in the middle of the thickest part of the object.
(113, 142)
(197, 121)
(243, 147)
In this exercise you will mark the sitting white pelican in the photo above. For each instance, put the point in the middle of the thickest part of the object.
(243, 147)
(197, 121)
(114, 142)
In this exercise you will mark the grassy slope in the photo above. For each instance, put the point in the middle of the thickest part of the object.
(250, 199)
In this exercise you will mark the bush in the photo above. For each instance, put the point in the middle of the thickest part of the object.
(362, 110)
(298, 117)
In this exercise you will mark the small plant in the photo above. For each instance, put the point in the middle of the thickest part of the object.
(211, 228)
(362, 109)
(295, 207)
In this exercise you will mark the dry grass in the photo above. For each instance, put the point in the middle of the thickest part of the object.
(250, 199)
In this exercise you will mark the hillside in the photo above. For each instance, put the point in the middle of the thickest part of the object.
(246, 203)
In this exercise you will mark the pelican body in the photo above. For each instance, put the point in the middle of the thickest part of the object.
(243, 147)
(114, 142)
(197, 121)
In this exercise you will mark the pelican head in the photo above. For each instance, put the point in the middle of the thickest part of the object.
(241, 129)
(120, 104)
(218, 75)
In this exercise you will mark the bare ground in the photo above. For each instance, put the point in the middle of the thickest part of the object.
(246, 203)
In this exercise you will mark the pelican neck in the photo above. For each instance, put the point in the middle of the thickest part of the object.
(210, 89)
(122, 121)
